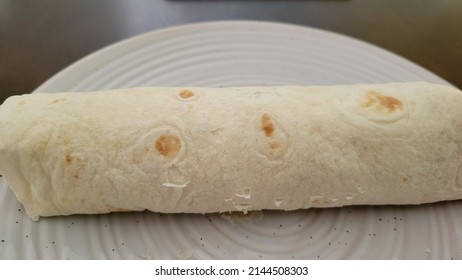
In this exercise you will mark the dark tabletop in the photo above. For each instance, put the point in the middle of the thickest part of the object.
(39, 38)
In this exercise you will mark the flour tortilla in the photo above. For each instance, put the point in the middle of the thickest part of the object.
(201, 150)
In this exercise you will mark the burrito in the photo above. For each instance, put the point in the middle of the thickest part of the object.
(203, 150)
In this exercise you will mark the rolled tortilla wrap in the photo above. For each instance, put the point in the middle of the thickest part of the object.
(201, 150)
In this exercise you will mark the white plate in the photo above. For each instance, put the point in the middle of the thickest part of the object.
(236, 54)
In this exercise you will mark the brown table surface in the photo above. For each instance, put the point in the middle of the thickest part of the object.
(39, 38)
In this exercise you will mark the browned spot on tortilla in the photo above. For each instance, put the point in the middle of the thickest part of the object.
(76, 176)
(186, 93)
(21, 102)
(383, 103)
(275, 145)
(68, 159)
(267, 125)
(168, 145)
(405, 179)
